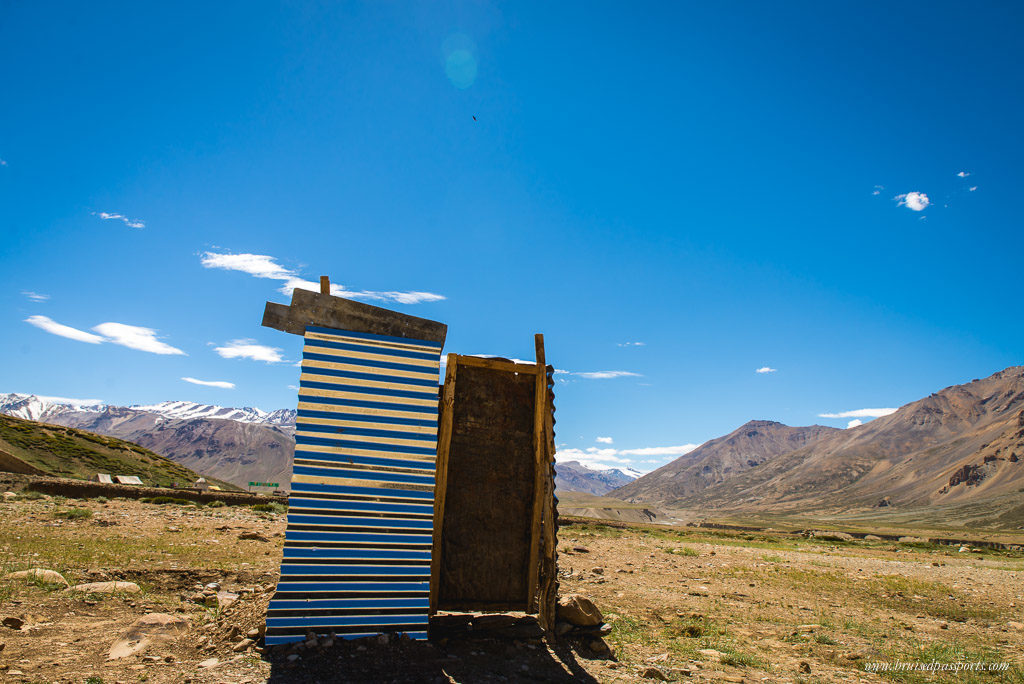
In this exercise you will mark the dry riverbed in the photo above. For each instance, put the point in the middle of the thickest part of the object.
(684, 605)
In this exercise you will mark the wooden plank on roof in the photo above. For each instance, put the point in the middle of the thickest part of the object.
(324, 310)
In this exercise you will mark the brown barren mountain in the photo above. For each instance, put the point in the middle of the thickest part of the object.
(959, 446)
(749, 446)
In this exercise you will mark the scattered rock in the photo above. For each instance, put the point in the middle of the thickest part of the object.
(579, 611)
(943, 625)
(912, 540)
(872, 537)
(710, 653)
(256, 536)
(598, 571)
(106, 587)
(12, 622)
(244, 645)
(209, 662)
(147, 630)
(253, 634)
(963, 549)
(10, 496)
(600, 648)
(581, 549)
(213, 586)
(226, 599)
(805, 667)
(1015, 625)
(831, 535)
(51, 576)
(654, 673)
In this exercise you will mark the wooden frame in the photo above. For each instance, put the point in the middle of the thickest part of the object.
(541, 581)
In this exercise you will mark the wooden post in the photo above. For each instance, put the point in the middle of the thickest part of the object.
(325, 285)
(539, 467)
(549, 559)
(444, 442)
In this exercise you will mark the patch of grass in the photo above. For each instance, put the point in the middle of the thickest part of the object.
(101, 500)
(695, 628)
(74, 514)
(29, 495)
(738, 659)
(272, 507)
(773, 559)
(825, 639)
(216, 504)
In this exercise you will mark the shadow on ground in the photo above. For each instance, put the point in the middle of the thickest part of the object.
(458, 660)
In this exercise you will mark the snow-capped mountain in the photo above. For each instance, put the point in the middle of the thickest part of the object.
(42, 409)
(573, 476)
(185, 410)
(45, 409)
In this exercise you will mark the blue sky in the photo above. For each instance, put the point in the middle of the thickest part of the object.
(677, 196)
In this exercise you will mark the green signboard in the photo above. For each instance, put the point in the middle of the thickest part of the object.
(263, 484)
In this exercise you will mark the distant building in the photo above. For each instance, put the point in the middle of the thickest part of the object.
(128, 479)
(103, 478)
(202, 484)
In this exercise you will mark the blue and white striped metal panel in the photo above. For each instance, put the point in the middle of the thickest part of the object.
(360, 517)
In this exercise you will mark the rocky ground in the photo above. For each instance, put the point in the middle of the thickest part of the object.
(682, 605)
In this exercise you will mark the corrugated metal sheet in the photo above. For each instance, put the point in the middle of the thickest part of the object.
(360, 519)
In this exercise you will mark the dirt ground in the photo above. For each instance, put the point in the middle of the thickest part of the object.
(684, 605)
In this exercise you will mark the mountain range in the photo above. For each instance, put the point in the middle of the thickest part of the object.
(573, 476)
(238, 445)
(957, 447)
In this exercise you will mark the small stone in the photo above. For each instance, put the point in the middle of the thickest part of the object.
(578, 610)
(255, 536)
(963, 549)
(147, 630)
(12, 622)
(226, 599)
(600, 648)
(943, 625)
(710, 653)
(581, 549)
(598, 571)
(213, 586)
(1015, 625)
(805, 667)
(10, 496)
(292, 657)
(51, 576)
(209, 662)
(242, 645)
(654, 673)
(253, 634)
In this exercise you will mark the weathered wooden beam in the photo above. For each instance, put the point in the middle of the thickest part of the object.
(324, 310)
(549, 553)
(540, 467)
(444, 443)
(498, 364)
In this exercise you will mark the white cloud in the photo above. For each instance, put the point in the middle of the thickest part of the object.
(878, 190)
(604, 440)
(915, 201)
(854, 423)
(258, 265)
(766, 369)
(223, 384)
(106, 216)
(264, 266)
(597, 457)
(135, 337)
(972, 188)
(3, 163)
(860, 413)
(340, 291)
(964, 174)
(54, 328)
(680, 450)
(632, 344)
(35, 296)
(248, 349)
(604, 375)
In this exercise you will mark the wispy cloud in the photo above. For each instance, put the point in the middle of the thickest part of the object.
(54, 328)
(860, 413)
(854, 423)
(603, 375)
(632, 344)
(878, 190)
(265, 266)
(3, 163)
(604, 440)
(223, 384)
(964, 174)
(972, 188)
(131, 336)
(35, 296)
(766, 369)
(131, 223)
(136, 337)
(915, 201)
(249, 349)
(602, 457)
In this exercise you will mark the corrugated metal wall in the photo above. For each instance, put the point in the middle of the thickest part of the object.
(360, 520)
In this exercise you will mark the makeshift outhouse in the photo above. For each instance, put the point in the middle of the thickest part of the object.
(409, 498)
